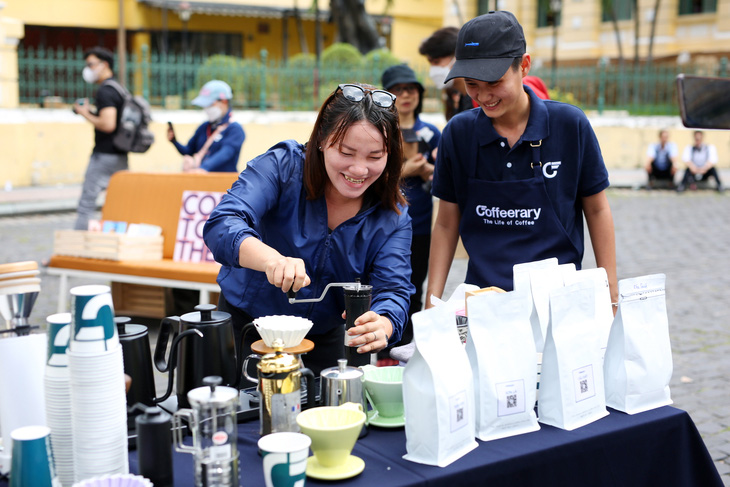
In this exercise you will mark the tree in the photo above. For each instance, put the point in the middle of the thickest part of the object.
(300, 29)
(610, 8)
(354, 24)
(636, 32)
(650, 54)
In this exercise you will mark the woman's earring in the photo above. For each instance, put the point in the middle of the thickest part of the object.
(319, 148)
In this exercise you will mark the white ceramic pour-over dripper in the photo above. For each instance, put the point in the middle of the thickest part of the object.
(290, 329)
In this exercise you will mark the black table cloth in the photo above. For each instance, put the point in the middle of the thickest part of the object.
(661, 447)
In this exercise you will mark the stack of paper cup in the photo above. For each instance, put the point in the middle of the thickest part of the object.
(58, 396)
(98, 400)
(22, 402)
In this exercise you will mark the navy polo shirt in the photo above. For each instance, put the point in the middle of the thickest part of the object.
(572, 162)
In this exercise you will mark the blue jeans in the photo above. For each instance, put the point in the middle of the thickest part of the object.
(100, 169)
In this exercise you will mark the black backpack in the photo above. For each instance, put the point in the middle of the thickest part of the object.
(132, 133)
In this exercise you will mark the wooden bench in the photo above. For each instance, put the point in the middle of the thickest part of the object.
(138, 287)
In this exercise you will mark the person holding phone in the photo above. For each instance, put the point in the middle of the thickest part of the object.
(106, 159)
(216, 144)
(420, 140)
(516, 178)
(301, 217)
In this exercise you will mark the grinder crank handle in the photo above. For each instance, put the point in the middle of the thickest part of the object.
(293, 299)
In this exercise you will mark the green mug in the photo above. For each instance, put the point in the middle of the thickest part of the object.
(285, 459)
(32, 462)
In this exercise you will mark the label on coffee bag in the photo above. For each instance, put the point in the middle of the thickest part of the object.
(457, 404)
(511, 397)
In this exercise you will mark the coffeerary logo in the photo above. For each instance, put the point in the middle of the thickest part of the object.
(495, 215)
(550, 169)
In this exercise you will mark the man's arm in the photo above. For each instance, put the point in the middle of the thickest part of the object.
(600, 226)
(105, 121)
(444, 237)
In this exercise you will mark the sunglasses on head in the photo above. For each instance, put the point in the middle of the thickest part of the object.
(356, 93)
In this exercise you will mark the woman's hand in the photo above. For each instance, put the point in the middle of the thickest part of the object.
(374, 331)
(287, 273)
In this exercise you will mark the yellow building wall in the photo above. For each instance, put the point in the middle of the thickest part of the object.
(583, 35)
(40, 151)
(11, 30)
(104, 14)
(413, 21)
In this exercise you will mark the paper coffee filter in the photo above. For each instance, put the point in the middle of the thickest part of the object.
(290, 329)
(126, 480)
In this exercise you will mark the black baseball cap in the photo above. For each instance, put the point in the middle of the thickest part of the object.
(487, 45)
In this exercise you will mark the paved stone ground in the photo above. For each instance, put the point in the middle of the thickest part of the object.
(684, 236)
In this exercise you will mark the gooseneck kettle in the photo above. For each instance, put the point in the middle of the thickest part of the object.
(213, 354)
(138, 363)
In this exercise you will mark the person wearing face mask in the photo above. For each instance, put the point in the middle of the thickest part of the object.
(439, 50)
(216, 144)
(517, 177)
(105, 158)
(301, 217)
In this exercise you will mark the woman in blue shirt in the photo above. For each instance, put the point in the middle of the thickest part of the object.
(303, 216)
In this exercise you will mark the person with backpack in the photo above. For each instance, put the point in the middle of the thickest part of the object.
(216, 144)
(106, 158)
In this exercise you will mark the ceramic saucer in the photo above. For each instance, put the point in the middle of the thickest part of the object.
(353, 466)
(375, 420)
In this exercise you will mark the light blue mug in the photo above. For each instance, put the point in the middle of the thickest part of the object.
(285, 459)
(32, 462)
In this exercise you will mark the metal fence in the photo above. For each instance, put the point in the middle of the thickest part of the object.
(299, 84)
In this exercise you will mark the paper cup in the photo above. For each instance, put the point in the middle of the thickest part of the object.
(285, 459)
(32, 464)
(59, 332)
(93, 320)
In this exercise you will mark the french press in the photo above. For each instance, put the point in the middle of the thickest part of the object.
(279, 386)
(212, 421)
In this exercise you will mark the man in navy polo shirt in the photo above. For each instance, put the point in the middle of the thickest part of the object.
(516, 175)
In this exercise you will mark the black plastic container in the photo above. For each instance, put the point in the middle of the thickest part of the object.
(154, 446)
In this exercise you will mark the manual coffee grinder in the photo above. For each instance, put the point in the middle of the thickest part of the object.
(212, 422)
(357, 302)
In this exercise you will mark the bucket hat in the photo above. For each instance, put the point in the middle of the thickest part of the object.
(400, 74)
